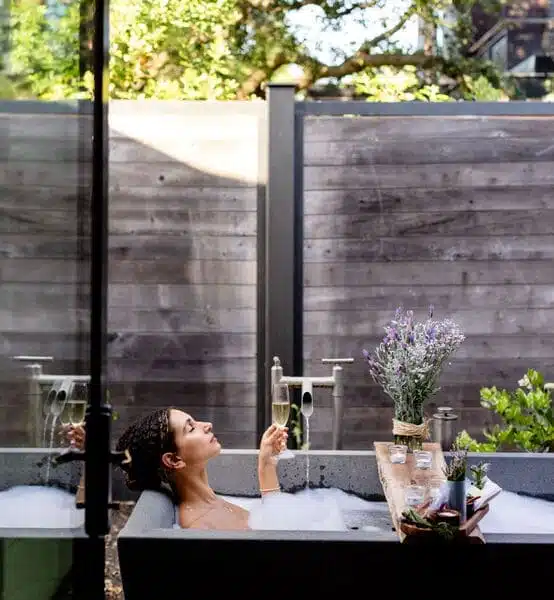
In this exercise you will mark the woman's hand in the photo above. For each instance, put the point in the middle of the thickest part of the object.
(76, 436)
(274, 440)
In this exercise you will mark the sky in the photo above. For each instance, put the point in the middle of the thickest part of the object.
(353, 31)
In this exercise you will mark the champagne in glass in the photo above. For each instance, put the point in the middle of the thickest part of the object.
(280, 408)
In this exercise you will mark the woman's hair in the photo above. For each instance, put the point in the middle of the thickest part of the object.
(146, 441)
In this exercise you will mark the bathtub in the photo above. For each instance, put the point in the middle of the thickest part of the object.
(157, 557)
(35, 560)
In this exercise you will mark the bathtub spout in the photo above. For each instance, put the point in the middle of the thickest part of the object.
(335, 382)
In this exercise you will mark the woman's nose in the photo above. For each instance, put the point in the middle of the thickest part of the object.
(207, 427)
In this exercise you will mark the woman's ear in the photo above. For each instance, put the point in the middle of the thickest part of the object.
(173, 461)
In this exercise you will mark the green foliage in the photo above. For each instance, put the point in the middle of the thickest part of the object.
(527, 418)
(229, 49)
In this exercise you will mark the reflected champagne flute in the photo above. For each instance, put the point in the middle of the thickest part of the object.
(280, 409)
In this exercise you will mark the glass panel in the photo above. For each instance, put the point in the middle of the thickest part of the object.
(45, 179)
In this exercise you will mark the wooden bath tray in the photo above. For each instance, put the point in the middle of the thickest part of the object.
(394, 479)
(464, 531)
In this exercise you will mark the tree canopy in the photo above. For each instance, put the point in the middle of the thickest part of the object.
(230, 49)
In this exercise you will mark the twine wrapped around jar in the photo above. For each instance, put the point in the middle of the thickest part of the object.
(409, 434)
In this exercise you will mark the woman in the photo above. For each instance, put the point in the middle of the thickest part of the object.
(168, 447)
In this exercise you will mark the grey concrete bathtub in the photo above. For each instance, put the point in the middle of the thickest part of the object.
(35, 562)
(156, 557)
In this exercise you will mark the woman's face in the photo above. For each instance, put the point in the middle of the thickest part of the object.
(194, 440)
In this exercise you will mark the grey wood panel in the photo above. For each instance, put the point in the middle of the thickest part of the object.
(239, 370)
(371, 199)
(127, 320)
(69, 347)
(525, 346)
(436, 248)
(156, 247)
(444, 298)
(499, 321)
(184, 221)
(429, 175)
(128, 175)
(148, 393)
(169, 296)
(182, 272)
(129, 247)
(424, 273)
(464, 222)
(375, 129)
(395, 151)
(66, 199)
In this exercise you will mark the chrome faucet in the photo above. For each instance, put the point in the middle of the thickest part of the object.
(335, 381)
(38, 408)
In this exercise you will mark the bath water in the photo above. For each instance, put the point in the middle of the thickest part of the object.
(39, 507)
(307, 452)
(512, 513)
(50, 446)
(321, 509)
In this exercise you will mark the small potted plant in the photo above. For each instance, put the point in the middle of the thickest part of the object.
(455, 473)
(407, 365)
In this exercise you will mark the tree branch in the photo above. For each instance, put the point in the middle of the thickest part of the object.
(362, 58)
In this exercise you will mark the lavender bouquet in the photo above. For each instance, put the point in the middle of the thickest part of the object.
(407, 364)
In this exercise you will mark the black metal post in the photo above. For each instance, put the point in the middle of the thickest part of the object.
(283, 268)
(98, 418)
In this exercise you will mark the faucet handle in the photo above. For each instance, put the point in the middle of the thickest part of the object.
(33, 359)
(337, 361)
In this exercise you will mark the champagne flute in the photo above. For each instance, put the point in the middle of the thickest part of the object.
(280, 409)
(75, 408)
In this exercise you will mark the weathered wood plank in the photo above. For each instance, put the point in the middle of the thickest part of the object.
(183, 272)
(444, 298)
(130, 247)
(376, 129)
(147, 272)
(155, 247)
(169, 174)
(169, 296)
(489, 322)
(426, 176)
(74, 346)
(493, 369)
(147, 393)
(436, 248)
(425, 273)
(126, 320)
(72, 199)
(375, 200)
(526, 347)
(465, 222)
(239, 370)
(393, 151)
(183, 221)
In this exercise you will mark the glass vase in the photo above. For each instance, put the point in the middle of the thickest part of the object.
(414, 416)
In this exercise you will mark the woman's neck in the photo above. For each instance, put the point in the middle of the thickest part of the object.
(193, 488)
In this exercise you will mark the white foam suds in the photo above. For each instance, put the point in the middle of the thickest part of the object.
(39, 507)
(511, 513)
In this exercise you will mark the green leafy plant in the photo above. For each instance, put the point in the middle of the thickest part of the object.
(527, 418)
(444, 530)
(479, 474)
